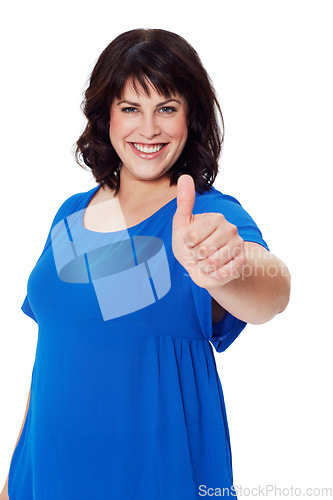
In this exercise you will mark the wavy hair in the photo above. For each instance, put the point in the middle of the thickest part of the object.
(170, 64)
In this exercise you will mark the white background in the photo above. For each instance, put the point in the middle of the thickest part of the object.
(271, 65)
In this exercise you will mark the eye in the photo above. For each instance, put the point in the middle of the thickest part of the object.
(128, 110)
(168, 109)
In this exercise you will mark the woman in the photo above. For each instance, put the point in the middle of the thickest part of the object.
(139, 278)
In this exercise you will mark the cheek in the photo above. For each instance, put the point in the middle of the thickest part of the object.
(178, 130)
(119, 128)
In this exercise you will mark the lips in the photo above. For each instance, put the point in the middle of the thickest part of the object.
(145, 154)
(149, 143)
(148, 148)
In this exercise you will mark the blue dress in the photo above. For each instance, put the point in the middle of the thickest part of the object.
(126, 401)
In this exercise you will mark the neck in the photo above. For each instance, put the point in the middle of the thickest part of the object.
(139, 189)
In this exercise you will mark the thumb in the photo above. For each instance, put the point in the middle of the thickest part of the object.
(185, 201)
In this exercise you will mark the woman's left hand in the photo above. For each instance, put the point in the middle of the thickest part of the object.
(206, 245)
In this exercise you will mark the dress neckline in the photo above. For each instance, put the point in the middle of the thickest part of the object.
(86, 203)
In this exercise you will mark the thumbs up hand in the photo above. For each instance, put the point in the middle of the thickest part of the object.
(206, 245)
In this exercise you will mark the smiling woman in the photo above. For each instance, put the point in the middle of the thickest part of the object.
(148, 132)
(137, 75)
(138, 280)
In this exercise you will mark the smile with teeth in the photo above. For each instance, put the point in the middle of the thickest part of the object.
(145, 149)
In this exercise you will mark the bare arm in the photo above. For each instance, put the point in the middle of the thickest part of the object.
(5, 488)
(260, 292)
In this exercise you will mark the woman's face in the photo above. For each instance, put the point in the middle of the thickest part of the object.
(148, 132)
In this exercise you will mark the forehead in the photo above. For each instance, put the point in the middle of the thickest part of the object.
(147, 90)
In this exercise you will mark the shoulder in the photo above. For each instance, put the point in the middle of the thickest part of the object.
(73, 203)
(216, 201)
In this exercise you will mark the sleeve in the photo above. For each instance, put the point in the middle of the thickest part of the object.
(61, 213)
(222, 334)
(26, 308)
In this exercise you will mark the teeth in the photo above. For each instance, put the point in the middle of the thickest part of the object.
(145, 149)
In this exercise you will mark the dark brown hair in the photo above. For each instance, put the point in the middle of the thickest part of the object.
(171, 65)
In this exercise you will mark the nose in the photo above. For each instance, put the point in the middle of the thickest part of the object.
(149, 127)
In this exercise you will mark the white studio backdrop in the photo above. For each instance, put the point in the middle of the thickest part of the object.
(271, 67)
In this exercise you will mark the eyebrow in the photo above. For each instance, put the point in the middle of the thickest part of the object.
(138, 105)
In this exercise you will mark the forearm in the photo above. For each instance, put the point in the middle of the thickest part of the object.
(24, 418)
(5, 487)
(261, 291)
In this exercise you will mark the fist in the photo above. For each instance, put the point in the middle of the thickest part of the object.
(206, 245)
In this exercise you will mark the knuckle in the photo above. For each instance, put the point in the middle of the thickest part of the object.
(242, 259)
(202, 251)
(191, 235)
(239, 247)
(212, 260)
(233, 229)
